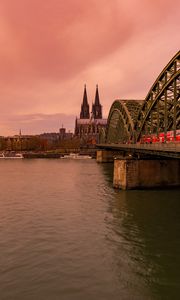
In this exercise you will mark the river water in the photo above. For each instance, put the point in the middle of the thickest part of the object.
(66, 234)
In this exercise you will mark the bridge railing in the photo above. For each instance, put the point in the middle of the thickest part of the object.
(167, 147)
(173, 147)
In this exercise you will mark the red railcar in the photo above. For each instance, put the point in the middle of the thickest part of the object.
(153, 138)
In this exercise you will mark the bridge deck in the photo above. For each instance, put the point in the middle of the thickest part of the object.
(166, 149)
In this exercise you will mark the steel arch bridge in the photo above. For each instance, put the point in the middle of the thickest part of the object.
(122, 115)
(129, 120)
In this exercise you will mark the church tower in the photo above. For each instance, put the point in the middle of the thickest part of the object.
(97, 107)
(84, 114)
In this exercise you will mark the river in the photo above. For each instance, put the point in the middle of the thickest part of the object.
(66, 234)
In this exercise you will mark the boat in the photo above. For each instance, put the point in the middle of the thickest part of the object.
(76, 156)
(11, 155)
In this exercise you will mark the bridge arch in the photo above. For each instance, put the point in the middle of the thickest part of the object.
(120, 124)
(102, 135)
(160, 111)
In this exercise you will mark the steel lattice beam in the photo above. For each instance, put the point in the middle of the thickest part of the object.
(159, 112)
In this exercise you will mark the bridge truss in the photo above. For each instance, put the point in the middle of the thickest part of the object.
(122, 115)
(161, 109)
(129, 120)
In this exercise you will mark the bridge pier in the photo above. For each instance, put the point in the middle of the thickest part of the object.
(132, 173)
(104, 156)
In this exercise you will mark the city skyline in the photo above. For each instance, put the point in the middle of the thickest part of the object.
(50, 50)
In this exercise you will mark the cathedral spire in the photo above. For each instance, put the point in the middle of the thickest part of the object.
(84, 114)
(85, 101)
(97, 107)
(97, 96)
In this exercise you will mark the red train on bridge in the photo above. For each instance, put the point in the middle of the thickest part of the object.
(160, 138)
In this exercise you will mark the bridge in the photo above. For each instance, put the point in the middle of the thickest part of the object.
(157, 150)
(147, 129)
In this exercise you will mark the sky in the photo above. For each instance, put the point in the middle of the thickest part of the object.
(50, 49)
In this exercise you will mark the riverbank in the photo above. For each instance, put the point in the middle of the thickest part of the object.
(41, 155)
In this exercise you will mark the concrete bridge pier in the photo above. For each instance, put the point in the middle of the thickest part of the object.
(104, 156)
(130, 173)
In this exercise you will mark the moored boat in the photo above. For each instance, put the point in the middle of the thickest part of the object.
(76, 156)
(10, 155)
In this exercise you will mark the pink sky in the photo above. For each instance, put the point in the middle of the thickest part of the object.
(50, 48)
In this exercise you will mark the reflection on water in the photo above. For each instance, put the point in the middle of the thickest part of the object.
(150, 222)
(65, 233)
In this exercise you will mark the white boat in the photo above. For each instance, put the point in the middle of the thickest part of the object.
(10, 155)
(76, 156)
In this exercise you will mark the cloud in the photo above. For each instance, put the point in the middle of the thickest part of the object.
(49, 49)
(55, 39)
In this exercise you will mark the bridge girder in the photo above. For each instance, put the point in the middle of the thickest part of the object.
(161, 109)
(120, 125)
(159, 112)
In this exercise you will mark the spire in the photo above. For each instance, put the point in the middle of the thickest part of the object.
(97, 96)
(84, 114)
(97, 107)
(85, 101)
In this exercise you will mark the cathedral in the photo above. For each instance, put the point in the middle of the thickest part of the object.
(89, 124)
